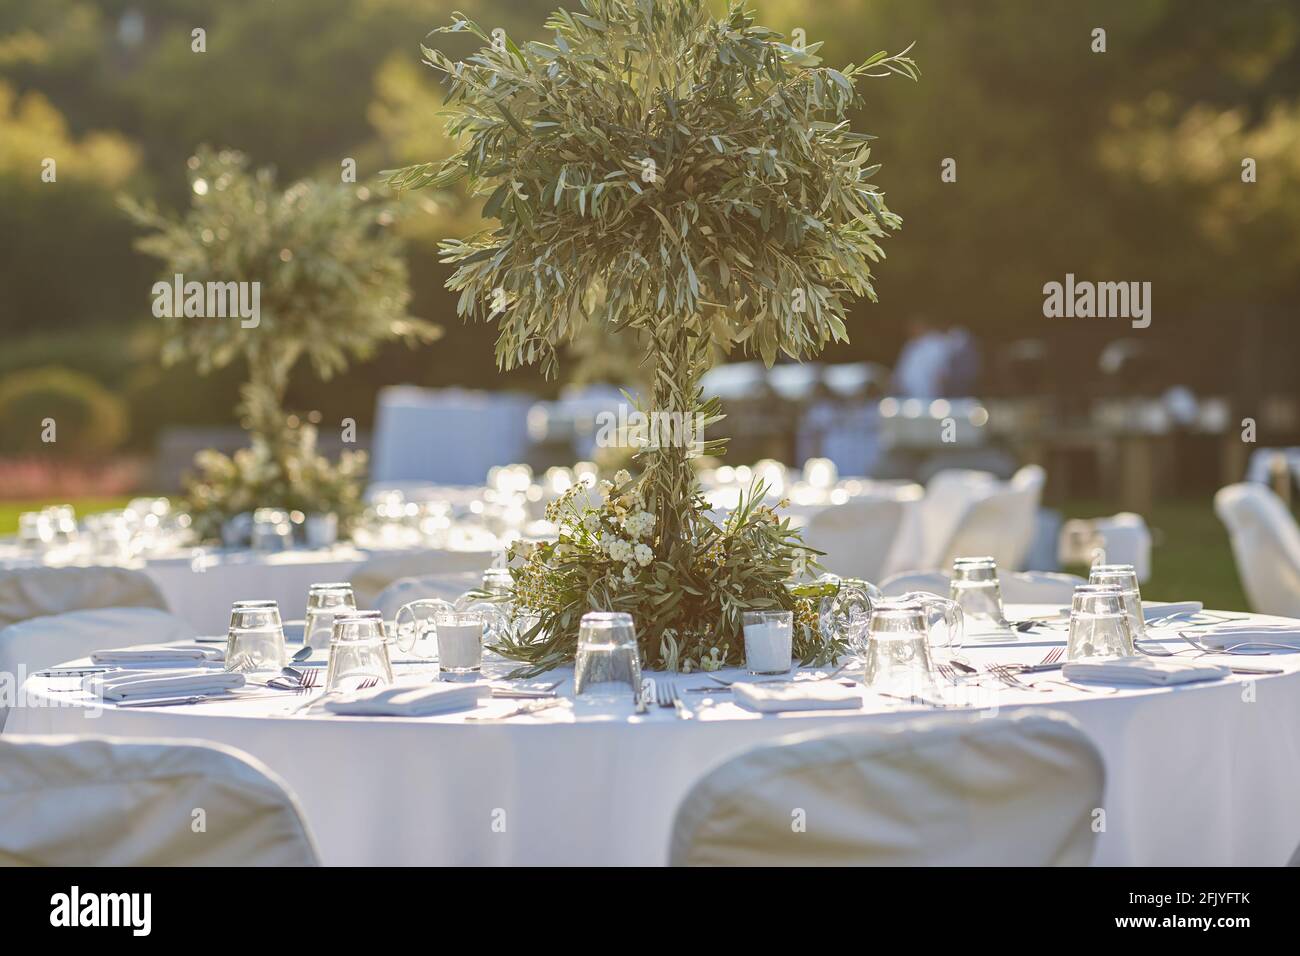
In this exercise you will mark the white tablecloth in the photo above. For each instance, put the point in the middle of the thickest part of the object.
(1201, 775)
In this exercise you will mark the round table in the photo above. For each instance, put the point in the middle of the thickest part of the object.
(1201, 774)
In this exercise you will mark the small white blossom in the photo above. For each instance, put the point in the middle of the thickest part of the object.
(629, 574)
(621, 477)
(620, 550)
(591, 521)
(644, 555)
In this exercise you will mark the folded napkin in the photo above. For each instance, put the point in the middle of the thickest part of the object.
(408, 701)
(131, 685)
(1229, 635)
(1159, 672)
(191, 652)
(796, 695)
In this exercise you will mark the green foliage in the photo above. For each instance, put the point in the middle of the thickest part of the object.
(758, 187)
(88, 419)
(333, 283)
(686, 180)
(687, 605)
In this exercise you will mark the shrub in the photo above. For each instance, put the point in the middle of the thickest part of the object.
(87, 419)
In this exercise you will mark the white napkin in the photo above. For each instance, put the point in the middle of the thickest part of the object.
(180, 653)
(796, 695)
(1159, 672)
(1228, 635)
(130, 685)
(408, 701)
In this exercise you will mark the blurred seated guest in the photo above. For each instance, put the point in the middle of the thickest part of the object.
(921, 363)
(962, 370)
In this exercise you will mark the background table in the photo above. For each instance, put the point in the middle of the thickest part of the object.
(1205, 774)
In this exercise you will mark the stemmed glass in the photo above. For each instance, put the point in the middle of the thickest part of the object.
(1124, 577)
(1098, 623)
(975, 589)
(255, 641)
(608, 663)
(358, 651)
(323, 602)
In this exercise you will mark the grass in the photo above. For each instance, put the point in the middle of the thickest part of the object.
(1191, 559)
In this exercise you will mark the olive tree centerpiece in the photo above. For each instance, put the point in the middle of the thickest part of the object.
(693, 181)
(311, 270)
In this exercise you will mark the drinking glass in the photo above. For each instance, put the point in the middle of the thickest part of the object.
(897, 655)
(1124, 577)
(453, 635)
(358, 651)
(846, 614)
(323, 602)
(1098, 623)
(769, 641)
(944, 621)
(976, 590)
(608, 664)
(255, 641)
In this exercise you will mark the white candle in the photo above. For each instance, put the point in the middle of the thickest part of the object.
(460, 646)
(768, 648)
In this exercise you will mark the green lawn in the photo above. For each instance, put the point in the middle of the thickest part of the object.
(1191, 559)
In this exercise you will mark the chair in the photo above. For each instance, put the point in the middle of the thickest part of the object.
(1039, 587)
(369, 580)
(856, 536)
(36, 592)
(1000, 523)
(1016, 790)
(1122, 538)
(100, 801)
(447, 587)
(936, 582)
(1265, 544)
(948, 495)
(54, 639)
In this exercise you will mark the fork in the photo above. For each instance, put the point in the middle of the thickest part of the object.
(1004, 674)
(1232, 647)
(682, 711)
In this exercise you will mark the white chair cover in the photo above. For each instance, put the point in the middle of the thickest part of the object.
(999, 524)
(857, 536)
(1266, 545)
(447, 587)
(1038, 587)
(45, 641)
(36, 592)
(1018, 790)
(1122, 538)
(936, 582)
(948, 495)
(369, 580)
(100, 801)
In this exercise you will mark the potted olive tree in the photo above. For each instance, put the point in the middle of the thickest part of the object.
(693, 181)
(310, 271)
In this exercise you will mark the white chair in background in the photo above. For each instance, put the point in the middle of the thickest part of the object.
(857, 536)
(1038, 587)
(1017, 790)
(948, 495)
(936, 582)
(36, 592)
(1018, 587)
(369, 580)
(446, 587)
(999, 524)
(100, 801)
(1266, 545)
(1121, 538)
(57, 638)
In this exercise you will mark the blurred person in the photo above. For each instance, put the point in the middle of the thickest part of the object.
(961, 373)
(919, 372)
